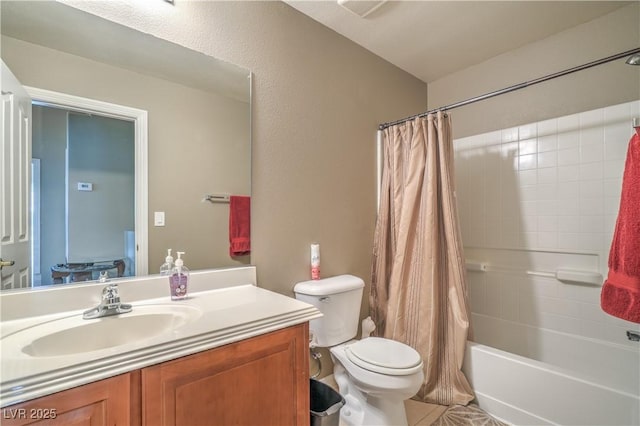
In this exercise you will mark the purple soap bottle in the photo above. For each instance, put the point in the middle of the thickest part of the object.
(179, 279)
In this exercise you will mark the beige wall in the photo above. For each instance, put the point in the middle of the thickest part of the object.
(100, 151)
(198, 144)
(319, 97)
(597, 87)
(54, 129)
(317, 101)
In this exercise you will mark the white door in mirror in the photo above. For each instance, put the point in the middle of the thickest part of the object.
(15, 182)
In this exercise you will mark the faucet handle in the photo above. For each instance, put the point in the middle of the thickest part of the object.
(110, 294)
(110, 304)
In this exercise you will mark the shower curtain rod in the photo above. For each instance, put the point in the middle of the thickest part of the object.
(514, 87)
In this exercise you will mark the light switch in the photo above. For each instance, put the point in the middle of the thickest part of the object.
(158, 218)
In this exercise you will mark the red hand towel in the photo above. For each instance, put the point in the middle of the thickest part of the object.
(620, 295)
(239, 225)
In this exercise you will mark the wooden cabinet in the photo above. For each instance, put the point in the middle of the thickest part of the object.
(263, 380)
(107, 402)
(259, 381)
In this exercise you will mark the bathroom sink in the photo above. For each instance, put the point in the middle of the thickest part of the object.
(74, 335)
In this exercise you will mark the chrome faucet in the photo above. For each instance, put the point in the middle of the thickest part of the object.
(110, 304)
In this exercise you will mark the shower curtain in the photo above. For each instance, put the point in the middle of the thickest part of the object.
(418, 286)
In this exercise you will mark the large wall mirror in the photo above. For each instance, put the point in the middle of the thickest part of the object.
(86, 163)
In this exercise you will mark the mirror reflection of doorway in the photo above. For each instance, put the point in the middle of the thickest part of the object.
(84, 199)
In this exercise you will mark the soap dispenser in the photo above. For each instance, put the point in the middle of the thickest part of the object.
(167, 266)
(179, 279)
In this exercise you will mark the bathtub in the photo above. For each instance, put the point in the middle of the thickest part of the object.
(573, 381)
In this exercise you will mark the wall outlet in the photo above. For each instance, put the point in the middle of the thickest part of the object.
(158, 218)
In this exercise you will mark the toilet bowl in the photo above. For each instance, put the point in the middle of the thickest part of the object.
(374, 382)
(374, 375)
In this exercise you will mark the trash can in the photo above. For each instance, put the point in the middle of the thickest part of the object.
(325, 404)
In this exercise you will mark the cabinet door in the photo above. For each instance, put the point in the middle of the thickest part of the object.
(106, 402)
(259, 381)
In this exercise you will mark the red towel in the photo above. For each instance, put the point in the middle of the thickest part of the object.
(620, 295)
(239, 225)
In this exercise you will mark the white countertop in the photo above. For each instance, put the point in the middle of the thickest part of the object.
(226, 315)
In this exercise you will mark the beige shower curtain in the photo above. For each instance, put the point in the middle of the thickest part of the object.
(418, 288)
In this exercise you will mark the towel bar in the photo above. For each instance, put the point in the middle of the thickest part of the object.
(571, 276)
(473, 265)
(567, 276)
(216, 198)
(580, 277)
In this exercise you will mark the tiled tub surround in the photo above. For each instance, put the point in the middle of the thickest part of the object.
(232, 308)
(532, 200)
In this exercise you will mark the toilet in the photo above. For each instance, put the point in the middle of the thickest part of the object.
(375, 375)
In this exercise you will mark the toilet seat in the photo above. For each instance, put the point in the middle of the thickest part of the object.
(384, 356)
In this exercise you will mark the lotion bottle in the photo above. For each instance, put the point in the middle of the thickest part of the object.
(179, 279)
(167, 266)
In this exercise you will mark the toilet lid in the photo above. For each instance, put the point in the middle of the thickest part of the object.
(384, 356)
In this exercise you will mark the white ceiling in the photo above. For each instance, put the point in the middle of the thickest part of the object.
(431, 39)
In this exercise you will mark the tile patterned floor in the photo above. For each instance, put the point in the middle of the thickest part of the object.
(471, 415)
(422, 413)
(425, 414)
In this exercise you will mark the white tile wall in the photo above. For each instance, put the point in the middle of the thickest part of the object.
(546, 188)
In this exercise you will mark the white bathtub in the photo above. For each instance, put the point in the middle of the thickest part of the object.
(574, 381)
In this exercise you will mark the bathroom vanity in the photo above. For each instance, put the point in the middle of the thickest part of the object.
(232, 354)
(265, 376)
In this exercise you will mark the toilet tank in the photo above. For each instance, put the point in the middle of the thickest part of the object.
(338, 298)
